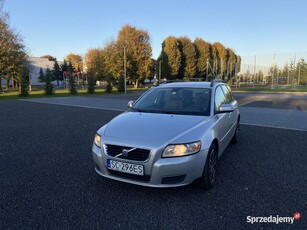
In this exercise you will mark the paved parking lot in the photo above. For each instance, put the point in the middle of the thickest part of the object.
(47, 180)
(284, 110)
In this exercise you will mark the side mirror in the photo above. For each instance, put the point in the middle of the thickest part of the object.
(226, 108)
(130, 104)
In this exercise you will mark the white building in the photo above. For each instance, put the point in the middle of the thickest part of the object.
(35, 64)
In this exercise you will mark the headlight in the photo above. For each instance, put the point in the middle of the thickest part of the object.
(97, 140)
(181, 149)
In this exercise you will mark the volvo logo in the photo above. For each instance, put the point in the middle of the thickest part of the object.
(125, 152)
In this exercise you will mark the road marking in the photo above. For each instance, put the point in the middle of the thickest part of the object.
(82, 106)
(121, 110)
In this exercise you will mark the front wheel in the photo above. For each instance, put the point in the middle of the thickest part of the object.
(208, 178)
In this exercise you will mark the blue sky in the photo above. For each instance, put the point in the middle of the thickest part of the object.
(58, 27)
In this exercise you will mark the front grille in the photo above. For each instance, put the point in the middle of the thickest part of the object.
(144, 178)
(135, 154)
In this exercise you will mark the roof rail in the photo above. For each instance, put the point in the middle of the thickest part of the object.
(196, 79)
(216, 81)
(169, 81)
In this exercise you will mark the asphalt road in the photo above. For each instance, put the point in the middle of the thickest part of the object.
(47, 178)
(293, 101)
(283, 110)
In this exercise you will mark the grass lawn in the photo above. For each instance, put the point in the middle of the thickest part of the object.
(37, 93)
(267, 89)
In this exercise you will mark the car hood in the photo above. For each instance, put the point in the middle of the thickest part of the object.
(150, 127)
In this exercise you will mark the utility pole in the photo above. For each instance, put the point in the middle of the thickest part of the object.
(299, 74)
(125, 69)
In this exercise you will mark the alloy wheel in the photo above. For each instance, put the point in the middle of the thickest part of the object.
(212, 165)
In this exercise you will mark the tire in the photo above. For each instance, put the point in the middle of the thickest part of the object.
(207, 180)
(235, 139)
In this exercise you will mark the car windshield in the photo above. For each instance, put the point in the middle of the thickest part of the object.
(185, 101)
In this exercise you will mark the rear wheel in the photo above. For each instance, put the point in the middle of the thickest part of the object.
(208, 178)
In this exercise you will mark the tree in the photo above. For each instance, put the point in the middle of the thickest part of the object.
(24, 82)
(219, 59)
(91, 84)
(302, 71)
(95, 63)
(75, 60)
(13, 56)
(109, 87)
(171, 58)
(105, 63)
(214, 62)
(56, 72)
(72, 85)
(286, 73)
(188, 58)
(231, 63)
(41, 77)
(203, 54)
(121, 84)
(273, 74)
(179, 58)
(64, 66)
(112, 63)
(258, 77)
(131, 49)
(138, 52)
(48, 82)
(153, 69)
(70, 67)
(238, 64)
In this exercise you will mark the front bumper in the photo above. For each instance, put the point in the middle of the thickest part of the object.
(159, 172)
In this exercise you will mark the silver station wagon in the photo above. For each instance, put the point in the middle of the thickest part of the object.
(171, 136)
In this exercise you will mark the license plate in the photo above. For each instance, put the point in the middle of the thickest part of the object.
(125, 167)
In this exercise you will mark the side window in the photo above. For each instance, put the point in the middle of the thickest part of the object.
(219, 98)
(228, 94)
